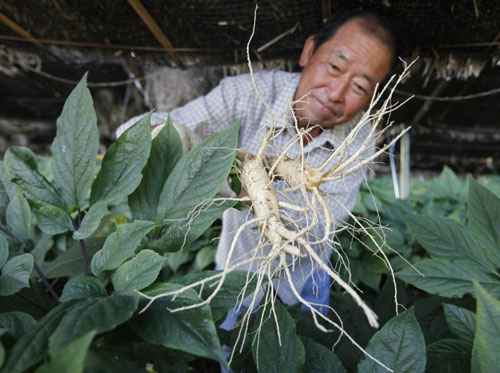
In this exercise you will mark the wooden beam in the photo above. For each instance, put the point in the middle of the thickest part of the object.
(154, 28)
(17, 29)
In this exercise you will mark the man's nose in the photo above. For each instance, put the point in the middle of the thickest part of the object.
(337, 90)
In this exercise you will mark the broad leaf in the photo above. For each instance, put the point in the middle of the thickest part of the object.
(120, 245)
(16, 274)
(447, 185)
(4, 250)
(122, 165)
(33, 346)
(68, 264)
(484, 216)
(19, 218)
(4, 195)
(139, 272)
(229, 294)
(320, 359)
(399, 345)
(17, 324)
(75, 147)
(485, 356)
(277, 350)
(449, 355)
(182, 234)
(52, 220)
(448, 277)
(91, 220)
(21, 168)
(100, 314)
(82, 287)
(192, 331)
(71, 358)
(166, 150)
(460, 321)
(198, 175)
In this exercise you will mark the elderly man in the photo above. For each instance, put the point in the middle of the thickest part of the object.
(341, 66)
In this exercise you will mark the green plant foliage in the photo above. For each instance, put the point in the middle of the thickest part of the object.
(138, 272)
(82, 287)
(4, 250)
(19, 218)
(320, 359)
(461, 322)
(70, 263)
(485, 357)
(399, 345)
(16, 324)
(199, 174)
(71, 358)
(33, 346)
(21, 168)
(191, 331)
(121, 169)
(99, 313)
(75, 147)
(91, 220)
(277, 350)
(16, 274)
(120, 246)
(166, 150)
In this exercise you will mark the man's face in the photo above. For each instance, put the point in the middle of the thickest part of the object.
(338, 79)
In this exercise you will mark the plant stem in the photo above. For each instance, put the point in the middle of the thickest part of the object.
(85, 255)
(45, 282)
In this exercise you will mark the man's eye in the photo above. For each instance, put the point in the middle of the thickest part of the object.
(360, 90)
(334, 67)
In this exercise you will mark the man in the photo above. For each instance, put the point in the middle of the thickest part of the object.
(341, 66)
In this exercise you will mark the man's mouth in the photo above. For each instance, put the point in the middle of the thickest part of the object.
(330, 110)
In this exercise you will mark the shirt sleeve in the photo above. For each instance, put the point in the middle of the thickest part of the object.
(206, 114)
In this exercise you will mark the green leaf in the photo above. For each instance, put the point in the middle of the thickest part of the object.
(182, 234)
(204, 258)
(230, 292)
(99, 314)
(2, 354)
(485, 356)
(19, 218)
(52, 220)
(122, 165)
(139, 272)
(16, 323)
(192, 331)
(22, 169)
(4, 194)
(91, 220)
(4, 250)
(199, 174)
(75, 147)
(71, 359)
(460, 321)
(166, 150)
(120, 245)
(16, 274)
(277, 351)
(400, 345)
(320, 359)
(33, 346)
(447, 186)
(449, 355)
(448, 277)
(68, 264)
(484, 216)
(82, 287)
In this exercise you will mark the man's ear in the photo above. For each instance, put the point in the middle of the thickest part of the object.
(307, 51)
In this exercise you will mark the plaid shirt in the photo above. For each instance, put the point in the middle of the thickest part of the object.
(235, 99)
